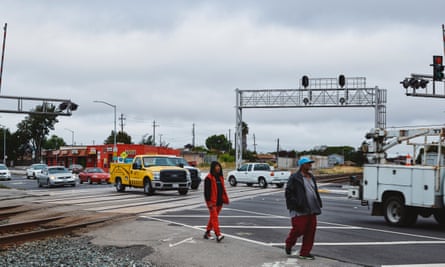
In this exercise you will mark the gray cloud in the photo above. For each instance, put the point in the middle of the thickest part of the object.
(179, 62)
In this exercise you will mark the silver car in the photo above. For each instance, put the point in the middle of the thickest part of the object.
(34, 170)
(56, 176)
(5, 174)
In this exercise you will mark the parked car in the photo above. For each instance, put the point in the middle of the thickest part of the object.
(5, 174)
(34, 170)
(195, 173)
(56, 176)
(94, 175)
(75, 168)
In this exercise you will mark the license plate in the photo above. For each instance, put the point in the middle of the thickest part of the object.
(175, 185)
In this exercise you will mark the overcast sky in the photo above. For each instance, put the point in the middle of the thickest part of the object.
(178, 63)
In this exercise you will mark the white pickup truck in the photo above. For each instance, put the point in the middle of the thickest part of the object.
(258, 173)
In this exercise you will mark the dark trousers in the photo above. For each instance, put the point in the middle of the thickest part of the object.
(213, 223)
(303, 226)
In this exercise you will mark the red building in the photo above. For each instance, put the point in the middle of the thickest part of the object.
(100, 155)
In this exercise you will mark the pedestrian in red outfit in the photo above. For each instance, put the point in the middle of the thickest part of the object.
(304, 204)
(215, 196)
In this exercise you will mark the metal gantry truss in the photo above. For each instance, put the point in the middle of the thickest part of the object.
(27, 105)
(319, 92)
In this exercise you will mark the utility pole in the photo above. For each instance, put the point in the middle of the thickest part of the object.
(122, 119)
(278, 149)
(193, 135)
(3, 54)
(254, 144)
(154, 132)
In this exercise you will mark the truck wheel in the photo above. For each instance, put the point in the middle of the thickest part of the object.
(396, 213)
(148, 189)
(440, 216)
(119, 186)
(194, 185)
(183, 191)
(232, 181)
(262, 182)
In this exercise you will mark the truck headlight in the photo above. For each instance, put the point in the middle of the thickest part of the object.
(156, 176)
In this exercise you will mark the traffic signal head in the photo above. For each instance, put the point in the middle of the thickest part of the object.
(341, 80)
(438, 68)
(305, 81)
(405, 83)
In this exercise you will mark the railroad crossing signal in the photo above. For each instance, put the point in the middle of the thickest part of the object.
(414, 83)
(438, 68)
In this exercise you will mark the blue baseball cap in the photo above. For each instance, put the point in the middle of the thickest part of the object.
(304, 160)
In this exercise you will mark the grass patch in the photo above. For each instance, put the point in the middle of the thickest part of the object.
(339, 170)
(4, 186)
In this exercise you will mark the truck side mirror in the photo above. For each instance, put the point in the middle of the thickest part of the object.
(136, 166)
(181, 165)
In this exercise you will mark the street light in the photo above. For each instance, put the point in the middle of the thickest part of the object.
(114, 144)
(72, 136)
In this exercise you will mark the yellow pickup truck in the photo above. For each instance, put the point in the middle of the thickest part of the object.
(150, 172)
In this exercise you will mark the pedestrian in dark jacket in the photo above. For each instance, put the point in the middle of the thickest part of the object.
(215, 196)
(304, 204)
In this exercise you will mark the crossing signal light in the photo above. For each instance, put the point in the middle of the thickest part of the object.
(305, 81)
(341, 80)
(414, 83)
(438, 68)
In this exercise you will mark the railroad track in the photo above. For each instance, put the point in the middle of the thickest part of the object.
(21, 232)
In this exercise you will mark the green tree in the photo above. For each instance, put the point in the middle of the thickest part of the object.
(121, 137)
(54, 142)
(218, 143)
(147, 140)
(35, 127)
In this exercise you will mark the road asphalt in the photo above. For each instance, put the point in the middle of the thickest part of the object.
(180, 245)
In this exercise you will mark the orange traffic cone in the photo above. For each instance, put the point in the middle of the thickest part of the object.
(408, 160)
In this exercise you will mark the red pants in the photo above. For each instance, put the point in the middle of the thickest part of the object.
(213, 223)
(303, 226)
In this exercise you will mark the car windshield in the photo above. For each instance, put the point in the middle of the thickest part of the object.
(3, 167)
(96, 170)
(180, 161)
(38, 166)
(158, 161)
(57, 170)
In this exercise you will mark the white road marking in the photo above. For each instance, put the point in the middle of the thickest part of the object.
(181, 242)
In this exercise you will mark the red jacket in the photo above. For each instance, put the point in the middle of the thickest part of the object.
(210, 192)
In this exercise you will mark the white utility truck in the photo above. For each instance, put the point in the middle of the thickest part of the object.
(400, 191)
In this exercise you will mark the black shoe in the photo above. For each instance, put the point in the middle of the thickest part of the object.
(307, 257)
(219, 238)
(207, 235)
(288, 250)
